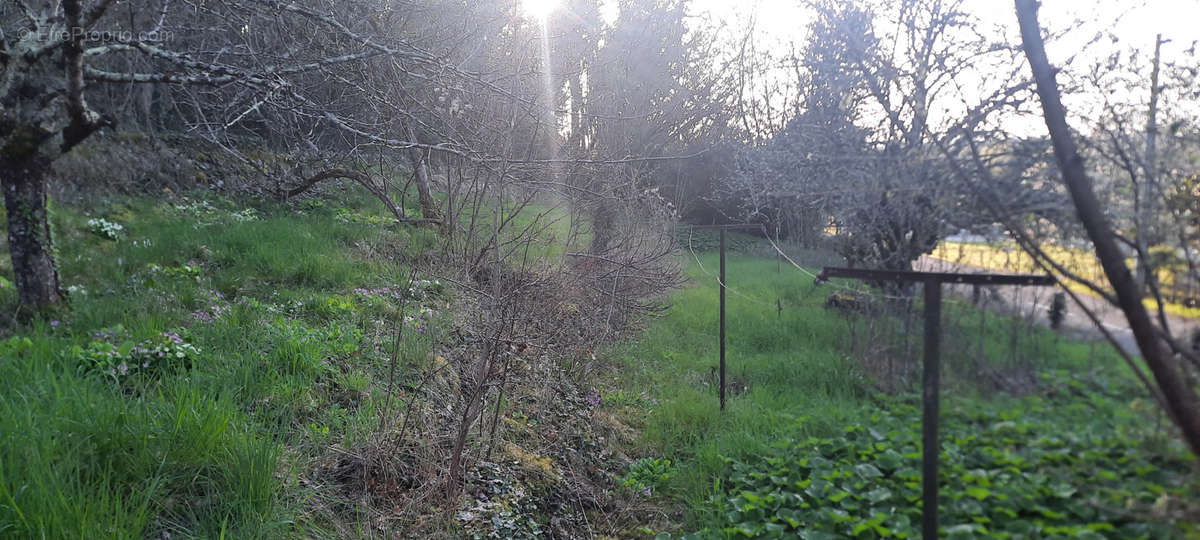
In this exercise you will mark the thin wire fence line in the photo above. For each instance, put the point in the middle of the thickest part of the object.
(816, 279)
(1021, 307)
(718, 278)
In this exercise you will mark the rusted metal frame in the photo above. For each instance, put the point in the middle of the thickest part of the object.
(931, 368)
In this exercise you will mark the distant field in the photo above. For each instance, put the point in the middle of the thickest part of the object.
(1010, 258)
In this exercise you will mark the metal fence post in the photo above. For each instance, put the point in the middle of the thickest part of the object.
(722, 319)
(931, 369)
(929, 409)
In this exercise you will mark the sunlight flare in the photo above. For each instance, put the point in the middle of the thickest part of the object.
(541, 9)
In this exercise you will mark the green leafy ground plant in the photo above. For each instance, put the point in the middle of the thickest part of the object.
(808, 448)
(1007, 471)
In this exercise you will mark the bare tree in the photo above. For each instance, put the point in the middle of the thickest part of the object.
(293, 72)
(1154, 343)
(880, 93)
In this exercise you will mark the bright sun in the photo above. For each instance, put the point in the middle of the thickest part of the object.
(539, 8)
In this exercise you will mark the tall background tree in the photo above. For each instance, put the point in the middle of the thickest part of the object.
(860, 158)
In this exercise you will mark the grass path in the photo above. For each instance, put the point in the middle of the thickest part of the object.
(799, 400)
(778, 367)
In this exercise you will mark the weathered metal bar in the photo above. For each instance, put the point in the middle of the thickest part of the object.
(722, 319)
(931, 366)
(944, 277)
(929, 409)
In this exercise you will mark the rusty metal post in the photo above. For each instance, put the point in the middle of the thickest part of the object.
(722, 319)
(929, 409)
(933, 330)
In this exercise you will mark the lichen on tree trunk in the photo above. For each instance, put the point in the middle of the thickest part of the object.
(24, 181)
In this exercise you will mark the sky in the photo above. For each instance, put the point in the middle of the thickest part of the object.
(1135, 23)
(782, 21)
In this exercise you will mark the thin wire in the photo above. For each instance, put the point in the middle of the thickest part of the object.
(817, 279)
(718, 278)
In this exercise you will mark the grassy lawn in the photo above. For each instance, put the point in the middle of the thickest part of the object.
(212, 356)
(1008, 257)
(809, 447)
(207, 361)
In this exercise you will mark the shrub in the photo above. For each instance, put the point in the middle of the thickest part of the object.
(15, 346)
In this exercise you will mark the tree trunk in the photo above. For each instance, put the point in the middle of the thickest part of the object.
(420, 165)
(24, 182)
(579, 128)
(604, 224)
(1181, 400)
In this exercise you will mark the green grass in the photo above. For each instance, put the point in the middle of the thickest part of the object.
(546, 224)
(790, 366)
(289, 307)
(796, 388)
(211, 446)
(543, 219)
